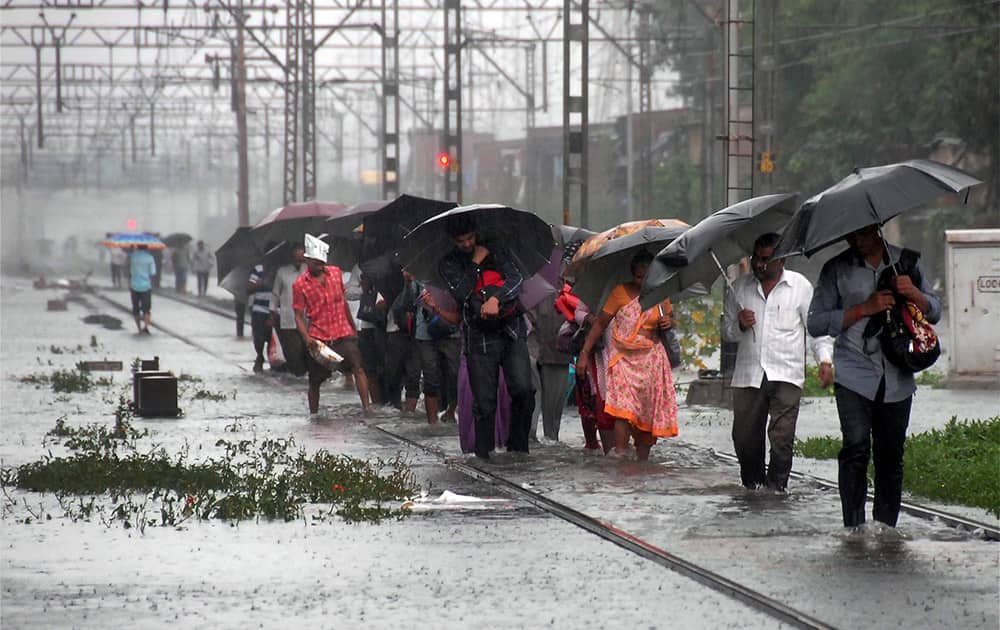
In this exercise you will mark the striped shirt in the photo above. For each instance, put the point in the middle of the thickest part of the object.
(261, 298)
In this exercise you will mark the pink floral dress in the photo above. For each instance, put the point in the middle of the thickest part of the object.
(640, 385)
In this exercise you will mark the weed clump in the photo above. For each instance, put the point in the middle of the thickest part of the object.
(269, 478)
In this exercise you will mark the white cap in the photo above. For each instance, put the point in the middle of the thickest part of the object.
(315, 248)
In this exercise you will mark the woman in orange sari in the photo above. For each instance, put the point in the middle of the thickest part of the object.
(640, 387)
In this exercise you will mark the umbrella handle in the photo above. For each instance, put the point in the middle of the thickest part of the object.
(753, 329)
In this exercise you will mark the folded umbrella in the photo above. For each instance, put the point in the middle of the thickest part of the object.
(868, 196)
(526, 237)
(700, 255)
(608, 267)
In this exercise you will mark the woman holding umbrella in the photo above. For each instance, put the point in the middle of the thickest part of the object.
(640, 389)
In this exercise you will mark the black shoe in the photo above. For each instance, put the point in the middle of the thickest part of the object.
(145, 331)
(258, 365)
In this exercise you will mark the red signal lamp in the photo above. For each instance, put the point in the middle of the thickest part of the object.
(444, 160)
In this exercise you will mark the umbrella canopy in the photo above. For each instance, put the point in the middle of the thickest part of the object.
(608, 267)
(177, 239)
(235, 281)
(348, 223)
(592, 244)
(722, 238)
(382, 236)
(239, 249)
(292, 222)
(544, 282)
(868, 196)
(527, 238)
(126, 240)
(571, 234)
(343, 253)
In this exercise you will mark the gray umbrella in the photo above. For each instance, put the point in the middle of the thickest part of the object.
(609, 265)
(722, 238)
(527, 238)
(868, 196)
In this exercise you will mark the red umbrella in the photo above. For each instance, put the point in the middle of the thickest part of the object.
(294, 221)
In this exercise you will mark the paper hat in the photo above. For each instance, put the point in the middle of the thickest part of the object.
(315, 248)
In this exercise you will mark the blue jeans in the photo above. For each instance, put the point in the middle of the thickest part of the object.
(484, 363)
(878, 429)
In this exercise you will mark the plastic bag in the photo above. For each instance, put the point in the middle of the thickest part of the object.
(275, 357)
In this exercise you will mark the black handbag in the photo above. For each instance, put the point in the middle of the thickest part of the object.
(907, 339)
(670, 343)
(367, 310)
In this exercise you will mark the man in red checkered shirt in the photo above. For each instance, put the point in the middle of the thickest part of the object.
(318, 297)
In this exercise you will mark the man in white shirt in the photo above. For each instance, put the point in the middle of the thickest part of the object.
(283, 315)
(766, 315)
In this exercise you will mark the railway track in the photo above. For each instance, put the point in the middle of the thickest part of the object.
(610, 532)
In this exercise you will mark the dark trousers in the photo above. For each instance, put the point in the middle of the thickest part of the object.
(751, 407)
(116, 275)
(876, 428)
(554, 379)
(240, 309)
(294, 350)
(402, 367)
(511, 356)
(439, 360)
(202, 282)
(261, 332)
(372, 341)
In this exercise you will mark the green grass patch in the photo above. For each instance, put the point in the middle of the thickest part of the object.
(931, 378)
(269, 478)
(957, 464)
(78, 380)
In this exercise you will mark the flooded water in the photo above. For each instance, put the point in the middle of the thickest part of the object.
(499, 563)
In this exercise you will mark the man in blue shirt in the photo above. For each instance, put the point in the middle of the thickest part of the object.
(873, 394)
(142, 268)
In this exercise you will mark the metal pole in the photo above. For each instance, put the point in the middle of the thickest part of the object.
(629, 145)
(38, 95)
(240, 98)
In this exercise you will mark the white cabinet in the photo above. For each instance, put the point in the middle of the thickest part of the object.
(973, 268)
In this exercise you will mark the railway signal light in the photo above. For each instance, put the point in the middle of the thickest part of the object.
(444, 160)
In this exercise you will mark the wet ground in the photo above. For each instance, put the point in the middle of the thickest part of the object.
(504, 564)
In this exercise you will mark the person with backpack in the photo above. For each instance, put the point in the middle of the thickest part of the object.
(485, 284)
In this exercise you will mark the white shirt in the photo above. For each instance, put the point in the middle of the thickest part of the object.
(775, 346)
(281, 294)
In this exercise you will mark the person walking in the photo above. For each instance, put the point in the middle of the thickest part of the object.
(639, 382)
(551, 365)
(402, 363)
(142, 270)
(180, 258)
(283, 315)
(485, 283)
(118, 261)
(439, 346)
(372, 317)
(201, 263)
(259, 290)
(770, 331)
(873, 394)
(318, 296)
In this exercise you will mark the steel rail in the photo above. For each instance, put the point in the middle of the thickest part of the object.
(989, 532)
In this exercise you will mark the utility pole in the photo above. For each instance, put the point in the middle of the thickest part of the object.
(240, 99)
(575, 108)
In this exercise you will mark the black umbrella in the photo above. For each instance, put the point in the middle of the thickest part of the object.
(349, 223)
(239, 249)
(720, 239)
(609, 265)
(382, 236)
(527, 238)
(294, 221)
(177, 239)
(868, 196)
(572, 234)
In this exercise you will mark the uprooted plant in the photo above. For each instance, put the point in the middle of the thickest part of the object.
(253, 478)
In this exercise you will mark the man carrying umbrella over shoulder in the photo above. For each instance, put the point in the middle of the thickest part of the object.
(770, 362)
(318, 296)
(873, 394)
(485, 283)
